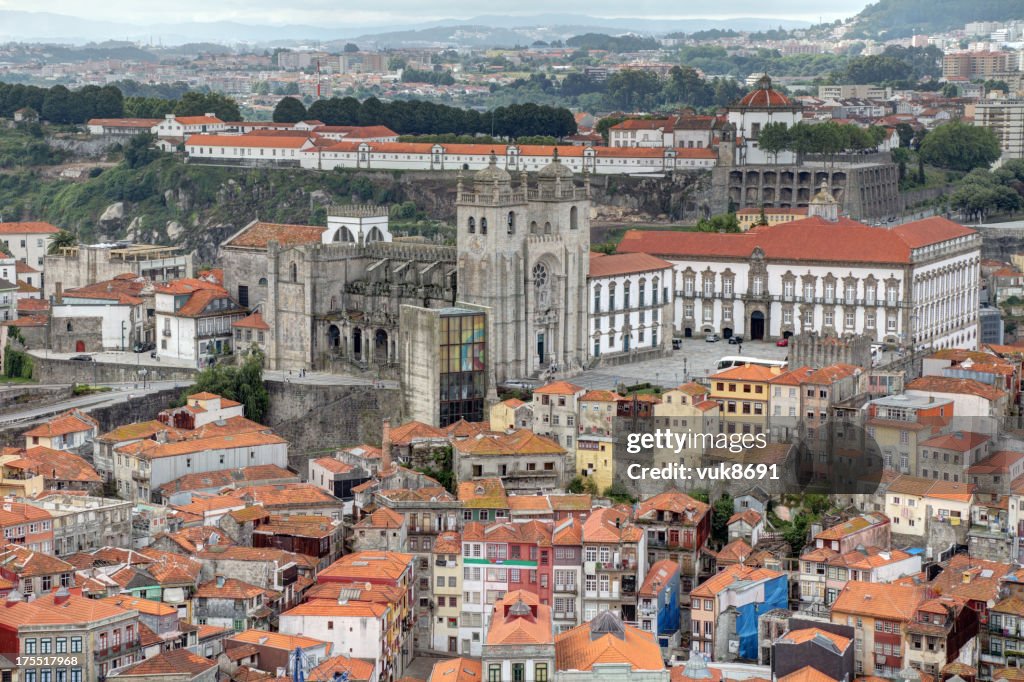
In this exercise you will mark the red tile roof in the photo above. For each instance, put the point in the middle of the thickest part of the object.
(360, 565)
(29, 227)
(625, 264)
(253, 321)
(810, 239)
(173, 662)
(72, 421)
(581, 649)
(259, 234)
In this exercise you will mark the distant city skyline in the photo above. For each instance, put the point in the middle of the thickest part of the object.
(396, 13)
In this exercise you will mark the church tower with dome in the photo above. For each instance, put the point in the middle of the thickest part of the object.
(523, 253)
(753, 112)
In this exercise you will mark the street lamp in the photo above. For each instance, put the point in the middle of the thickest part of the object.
(143, 373)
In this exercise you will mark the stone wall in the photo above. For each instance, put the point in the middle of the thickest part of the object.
(315, 419)
(55, 371)
(22, 397)
(67, 333)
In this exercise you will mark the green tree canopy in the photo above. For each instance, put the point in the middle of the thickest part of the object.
(289, 110)
(242, 383)
(61, 240)
(959, 146)
(199, 103)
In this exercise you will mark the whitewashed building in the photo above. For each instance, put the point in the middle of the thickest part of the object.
(194, 320)
(27, 242)
(185, 126)
(915, 284)
(630, 303)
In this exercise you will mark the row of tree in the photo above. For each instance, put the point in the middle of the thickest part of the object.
(981, 193)
(828, 138)
(424, 76)
(61, 105)
(417, 117)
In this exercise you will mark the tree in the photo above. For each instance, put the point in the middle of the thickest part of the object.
(721, 512)
(773, 138)
(906, 133)
(725, 222)
(139, 151)
(289, 110)
(351, 47)
(618, 493)
(606, 124)
(440, 468)
(631, 89)
(762, 219)
(61, 240)
(199, 103)
(959, 146)
(243, 384)
(582, 485)
(59, 107)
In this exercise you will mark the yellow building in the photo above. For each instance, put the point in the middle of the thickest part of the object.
(742, 397)
(685, 409)
(447, 581)
(748, 217)
(511, 414)
(595, 459)
(910, 501)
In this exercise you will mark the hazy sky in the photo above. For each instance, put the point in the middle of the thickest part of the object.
(346, 12)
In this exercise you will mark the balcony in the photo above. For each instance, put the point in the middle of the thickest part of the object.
(565, 615)
(167, 332)
(571, 589)
(138, 475)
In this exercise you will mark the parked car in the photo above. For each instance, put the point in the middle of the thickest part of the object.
(712, 338)
(735, 340)
(143, 346)
(82, 358)
(677, 344)
(782, 343)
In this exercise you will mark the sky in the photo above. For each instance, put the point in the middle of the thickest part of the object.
(396, 12)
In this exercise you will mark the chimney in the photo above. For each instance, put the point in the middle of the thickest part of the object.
(58, 292)
(61, 597)
(385, 446)
(13, 597)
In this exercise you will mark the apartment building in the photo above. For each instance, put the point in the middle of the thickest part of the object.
(881, 613)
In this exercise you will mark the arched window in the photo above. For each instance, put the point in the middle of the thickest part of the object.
(483, 226)
(547, 228)
(70, 329)
(471, 224)
(511, 222)
(263, 281)
(573, 218)
(643, 291)
(533, 227)
(625, 294)
(611, 296)
(654, 291)
(597, 298)
(295, 272)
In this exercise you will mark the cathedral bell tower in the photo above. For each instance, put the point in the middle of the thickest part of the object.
(491, 242)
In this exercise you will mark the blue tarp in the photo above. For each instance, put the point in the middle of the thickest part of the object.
(776, 596)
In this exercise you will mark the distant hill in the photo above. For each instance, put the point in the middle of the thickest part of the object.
(900, 18)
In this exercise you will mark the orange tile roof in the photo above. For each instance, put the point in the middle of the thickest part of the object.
(569, 502)
(999, 462)
(352, 609)
(186, 285)
(982, 578)
(199, 301)
(56, 465)
(579, 649)
(483, 493)
(258, 234)
(172, 662)
(600, 396)
(335, 466)
(928, 487)
(509, 628)
(558, 388)
(809, 239)
(735, 573)
(227, 477)
(74, 610)
(150, 449)
(934, 384)
(747, 373)
(138, 431)
(854, 525)
(736, 552)
(600, 527)
(879, 600)
(751, 517)
(808, 634)
(457, 670)
(390, 565)
(448, 542)
(358, 669)
(518, 442)
(527, 503)
(676, 502)
(27, 563)
(357, 591)
(870, 558)
(144, 606)
(806, 674)
(658, 575)
(624, 264)
(414, 430)
(228, 588)
(253, 321)
(382, 517)
(72, 421)
(960, 441)
(29, 227)
(284, 495)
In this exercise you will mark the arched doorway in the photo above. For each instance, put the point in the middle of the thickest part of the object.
(79, 346)
(380, 347)
(727, 332)
(357, 343)
(333, 337)
(787, 334)
(688, 332)
(757, 325)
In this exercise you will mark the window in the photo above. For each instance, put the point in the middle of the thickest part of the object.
(540, 672)
(494, 673)
(76, 645)
(518, 672)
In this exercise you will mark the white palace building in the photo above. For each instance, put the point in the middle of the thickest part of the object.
(915, 284)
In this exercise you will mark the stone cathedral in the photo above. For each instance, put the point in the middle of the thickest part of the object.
(524, 254)
(331, 295)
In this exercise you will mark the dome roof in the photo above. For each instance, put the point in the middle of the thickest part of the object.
(493, 174)
(555, 169)
(764, 96)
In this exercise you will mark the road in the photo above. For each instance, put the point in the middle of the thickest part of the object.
(121, 393)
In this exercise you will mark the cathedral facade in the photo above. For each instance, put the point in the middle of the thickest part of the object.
(332, 295)
(523, 253)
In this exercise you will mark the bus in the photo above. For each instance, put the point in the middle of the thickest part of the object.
(739, 360)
